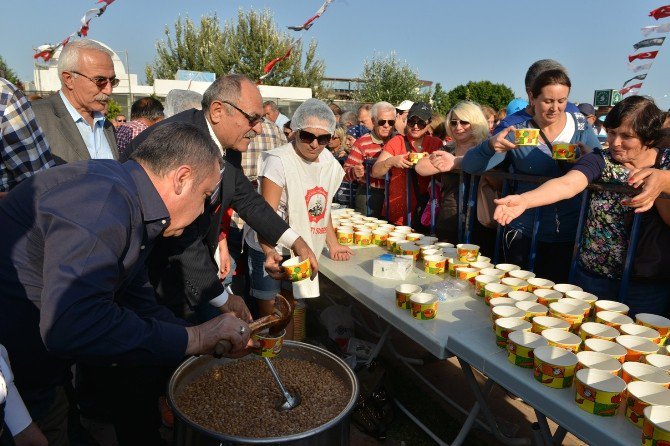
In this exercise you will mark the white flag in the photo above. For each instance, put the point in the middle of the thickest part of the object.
(637, 68)
(664, 28)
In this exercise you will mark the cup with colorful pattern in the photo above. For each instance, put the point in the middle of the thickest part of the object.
(480, 265)
(414, 236)
(568, 312)
(515, 284)
(467, 252)
(444, 245)
(430, 252)
(404, 229)
(392, 244)
(531, 309)
(585, 306)
(296, 270)
(563, 339)
(270, 345)
(656, 426)
(434, 264)
(492, 272)
(387, 227)
(526, 137)
(597, 330)
(481, 258)
(431, 240)
(492, 290)
(609, 348)
(636, 347)
(641, 331)
(598, 392)
(379, 237)
(409, 249)
(466, 273)
(522, 296)
(612, 306)
(482, 281)
(345, 235)
(546, 296)
(506, 325)
(398, 234)
(658, 323)
(505, 311)
(536, 284)
(599, 361)
(371, 226)
(497, 301)
(521, 274)
(639, 371)
(641, 395)
(564, 151)
(554, 367)
(403, 293)
(658, 360)
(363, 237)
(415, 157)
(541, 323)
(423, 306)
(565, 287)
(507, 267)
(583, 295)
(612, 319)
(520, 348)
(455, 263)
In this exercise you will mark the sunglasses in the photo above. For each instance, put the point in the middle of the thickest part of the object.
(100, 81)
(455, 122)
(308, 137)
(382, 122)
(254, 119)
(417, 122)
(120, 120)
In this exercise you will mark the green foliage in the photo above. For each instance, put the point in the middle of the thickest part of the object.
(496, 96)
(385, 78)
(440, 100)
(243, 46)
(8, 73)
(113, 109)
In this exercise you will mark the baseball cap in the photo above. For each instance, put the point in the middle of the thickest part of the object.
(586, 109)
(420, 110)
(404, 105)
(515, 105)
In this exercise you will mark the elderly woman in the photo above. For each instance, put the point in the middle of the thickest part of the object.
(299, 180)
(549, 98)
(394, 158)
(632, 130)
(467, 127)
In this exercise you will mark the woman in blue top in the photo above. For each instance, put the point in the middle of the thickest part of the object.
(556, 236)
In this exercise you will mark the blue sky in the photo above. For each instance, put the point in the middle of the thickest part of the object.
(446, 41)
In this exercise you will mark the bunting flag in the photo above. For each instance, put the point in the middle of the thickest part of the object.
(631, 88)
(308, 24)
(664, 28)
(269, 68)
(657, 41)
(47, 51)
(659, 13)
(639, 77)
(637, 68)
(645, 55)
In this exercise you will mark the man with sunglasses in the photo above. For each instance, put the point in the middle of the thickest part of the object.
(368, 147)
(73, 120)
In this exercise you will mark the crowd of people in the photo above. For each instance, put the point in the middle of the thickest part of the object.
(129, 245)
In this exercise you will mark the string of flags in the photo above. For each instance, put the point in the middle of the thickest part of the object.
(271, 65)
(658, 13)
(46, 52)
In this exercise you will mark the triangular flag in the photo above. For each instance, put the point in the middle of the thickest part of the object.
(637, 68)
(629, 89)
(659, 13)
(664, 28)
(639, 77)
(645, 55)
(656, 41)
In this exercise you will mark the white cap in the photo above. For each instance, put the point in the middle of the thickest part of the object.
(405, 105)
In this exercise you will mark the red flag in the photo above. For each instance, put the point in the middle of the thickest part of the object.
(632, 87)
(107, 2)
(645, 55)
(659, 13)
(46, 55)
(271, 65)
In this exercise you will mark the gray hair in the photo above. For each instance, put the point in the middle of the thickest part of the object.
(68, 60)
(225, 88)
(348, 116)
(271, 104)
(178, 100)
(539, 67)
(379, 107)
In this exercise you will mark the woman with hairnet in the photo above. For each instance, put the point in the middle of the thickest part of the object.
(299, 180)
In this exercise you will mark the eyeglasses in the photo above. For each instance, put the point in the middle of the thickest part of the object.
(120, 120)
(455, 122)
(417, 122)
(100, 81)
(254, 119)
(334, 137)
(308, 137)
(382, 122)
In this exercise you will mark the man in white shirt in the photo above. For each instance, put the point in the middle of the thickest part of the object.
(271, 112)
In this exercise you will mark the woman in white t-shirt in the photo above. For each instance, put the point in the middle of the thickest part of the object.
(299, 180)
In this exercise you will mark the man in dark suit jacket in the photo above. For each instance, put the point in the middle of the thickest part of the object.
(73, 120)
(182, 268)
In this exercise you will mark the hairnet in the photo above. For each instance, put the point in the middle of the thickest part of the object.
(315, 114)
(177, 101)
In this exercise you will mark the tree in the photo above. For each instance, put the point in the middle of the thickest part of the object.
(496, 96)
(384, 78)
(242, 47)
(440, 100)
(9, 74)
(113, 109)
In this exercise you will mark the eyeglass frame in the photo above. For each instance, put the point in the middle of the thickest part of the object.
(253, 120)
(113, 81)
(459, 121)
(301, 131)
(382, 122)
(418, 122)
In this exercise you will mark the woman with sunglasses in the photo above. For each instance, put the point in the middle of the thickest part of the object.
(394, 159)
(299, 180)
(557, 222)
(466, 127)
(338, 144)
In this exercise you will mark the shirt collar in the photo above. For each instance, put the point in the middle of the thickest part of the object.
(213, 135)
(76, 116)
(375, 138)
(151, 202)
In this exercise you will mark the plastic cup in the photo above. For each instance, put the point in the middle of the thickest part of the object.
(660, 361)
(583, 295)
(434, 264)
(296, 270)
(392, 244)
(532, 309)
(522, 296)
(610, 305)
(363, 237)
(598, 392)
(563, 339)
(403, 293)
(609, 348)
(409, 249)
(506, 325)
(568, 312)
(398, 234)
(415, 157)
(536, 283)
(499, 301)
(480, 265)
(423, 306)
(585, 306)
(638, 371)
(467, 252)
(541, 323)
(526, 137)
(564, 151)
(554, 366)
(430, 252)
(546, 296)
(507, 267)
(641, 331)
(597, 330)
(482, 281)
(656, 425)
(345, 235)
(379, 237)
(481, 258)
(636, 347)
(414, 236)
(453, 264)
(270, 346)
(515, 284)
(492, 272)
(493, 290)
(521, 274)
(565, 287)
(612, 319)
(404, 229)
(466, 273)
(598, 361)
(520, 348)
(505, 311)
(658, 323)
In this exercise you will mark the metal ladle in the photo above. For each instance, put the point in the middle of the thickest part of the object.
(290, 401)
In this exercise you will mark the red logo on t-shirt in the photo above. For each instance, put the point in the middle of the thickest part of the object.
(316, 200)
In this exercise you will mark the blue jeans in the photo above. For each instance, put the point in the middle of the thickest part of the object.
(262, 286)
(642, 297)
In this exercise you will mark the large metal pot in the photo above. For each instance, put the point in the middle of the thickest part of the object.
(335, 432)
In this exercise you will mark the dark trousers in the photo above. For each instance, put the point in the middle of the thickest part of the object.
(552, 260)
(375, 201)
